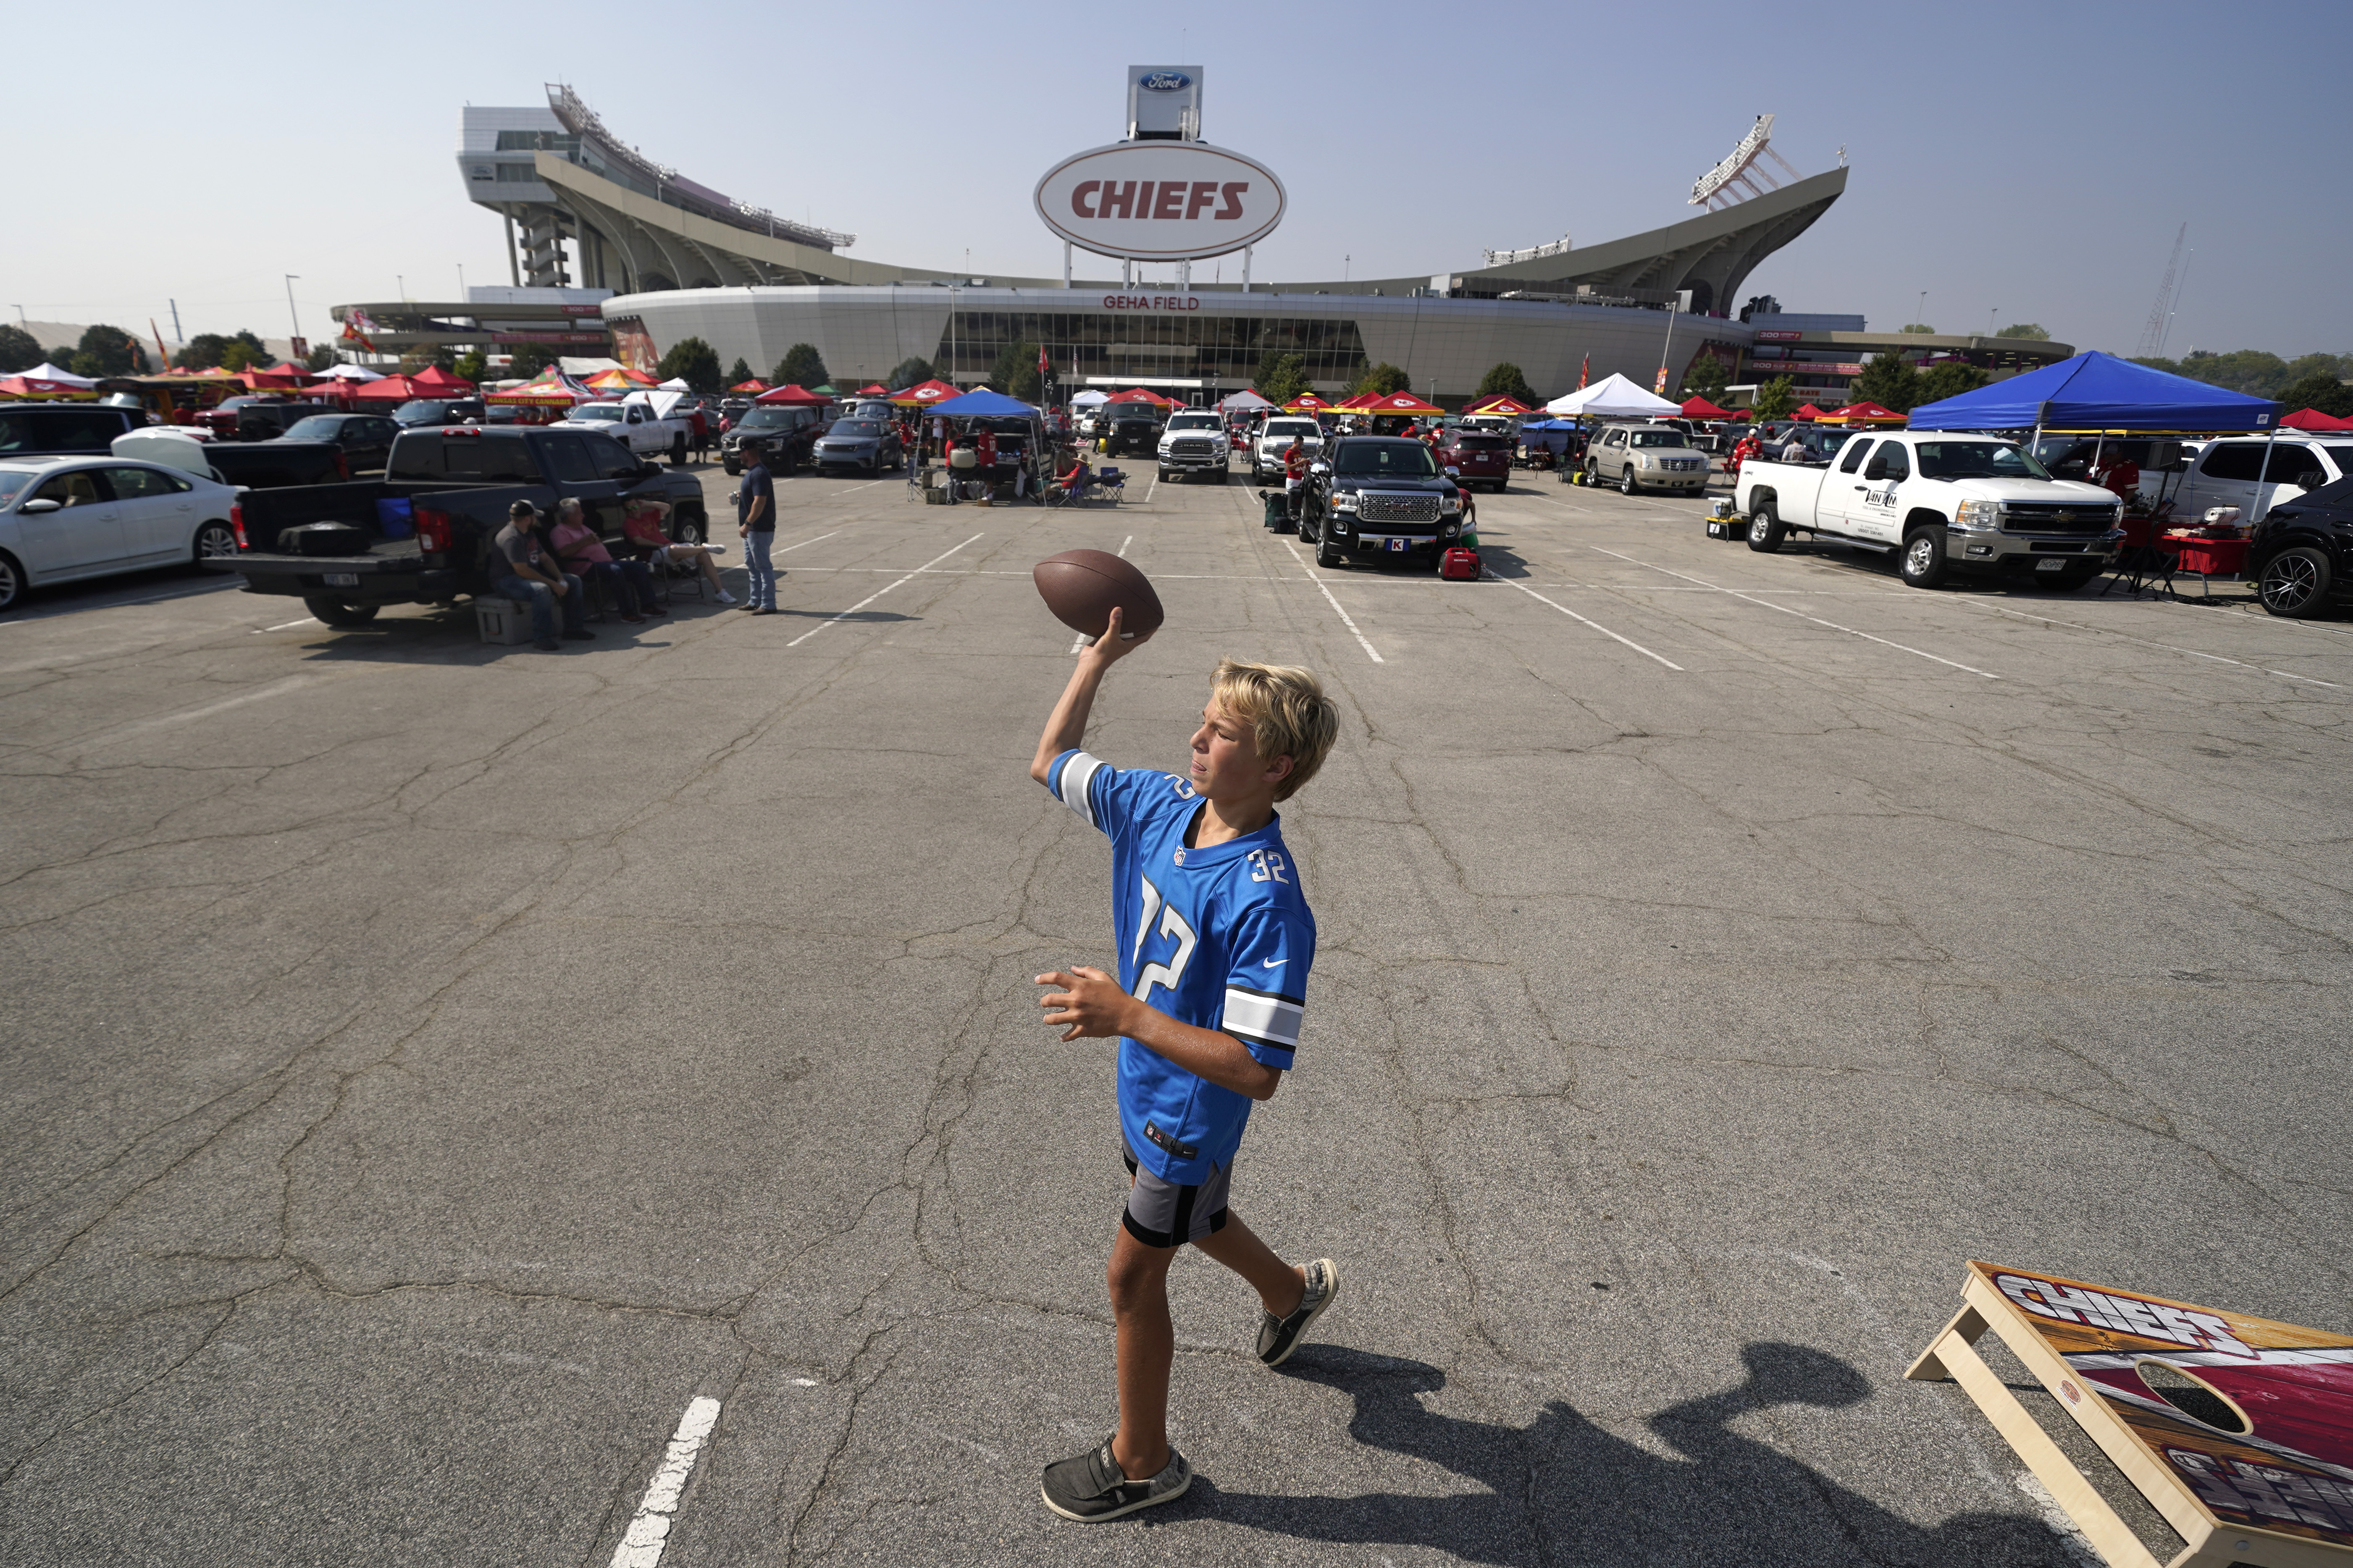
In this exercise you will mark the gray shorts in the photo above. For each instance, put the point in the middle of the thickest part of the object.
(1161, 1214)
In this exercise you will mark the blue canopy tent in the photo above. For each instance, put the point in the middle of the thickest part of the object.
(982, 403)
(2098, 391)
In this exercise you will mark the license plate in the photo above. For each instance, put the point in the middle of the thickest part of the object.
(1396, 544)
(341, 579)
(2050, 565)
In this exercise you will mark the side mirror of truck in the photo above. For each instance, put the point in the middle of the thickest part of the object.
(1319, 468)
(1452, 472)
(649, 470)
(1875, 469)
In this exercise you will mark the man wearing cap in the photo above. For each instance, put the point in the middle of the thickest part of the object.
(530, 575)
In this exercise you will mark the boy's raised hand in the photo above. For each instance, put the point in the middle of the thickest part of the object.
(1090, 1002)
(1111, 647)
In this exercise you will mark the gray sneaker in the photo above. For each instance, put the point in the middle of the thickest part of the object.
(1277, 1337)
(1090, 1487)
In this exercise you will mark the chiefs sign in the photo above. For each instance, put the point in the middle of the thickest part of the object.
(1160, 201)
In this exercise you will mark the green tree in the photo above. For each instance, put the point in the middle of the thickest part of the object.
(527, 360)
(2326, 393)
(1889, 381)
(1282, 377)
(1505, 378)
(694, 359)
(1383, 378)
(473, 364)
(909, 373)
(320, 358)
(208, 351)
(241, 356)
(19, 349)
(2025, 330)
(1920, 327)
(1706, 378)
(1014, 374)
(1950, 379)
(2339, 366)
(2250, 371)
(1774, 399)
(108, 351)
(801, 366)
(741, 373)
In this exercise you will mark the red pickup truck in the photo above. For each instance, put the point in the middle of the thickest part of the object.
(1477, 456)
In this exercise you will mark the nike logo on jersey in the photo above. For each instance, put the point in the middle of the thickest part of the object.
(1275, 963)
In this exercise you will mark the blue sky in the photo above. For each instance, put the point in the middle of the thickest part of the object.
(2032, 162)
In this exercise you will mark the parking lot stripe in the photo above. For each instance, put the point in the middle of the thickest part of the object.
(1082, 639)
(1801, 614)
(641, 1544)
(1335, 603)
(2149, 642)
(788, 549)
(877, 592)
(1597, 626)
(288, 626)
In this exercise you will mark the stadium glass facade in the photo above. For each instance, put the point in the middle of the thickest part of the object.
(1210, 346)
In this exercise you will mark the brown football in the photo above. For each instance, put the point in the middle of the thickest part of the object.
(1083, 586)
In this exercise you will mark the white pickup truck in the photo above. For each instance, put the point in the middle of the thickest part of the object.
(1948, 503)
(637, 422)
(1274, 438)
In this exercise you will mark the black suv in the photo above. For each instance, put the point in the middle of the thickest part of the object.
(1135, 427)
(2302, 558)
(785, 434)
(364, 439)
(61, 429)
(1380, 495)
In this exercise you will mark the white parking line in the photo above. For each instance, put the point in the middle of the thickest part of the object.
(877, 592)
(2148, 642)
(1801, 614)
(1335, 603)
(1597, 626)
(1082, 639)
(288, 626)
(788, 549)
(868, 486)
(641, 1545)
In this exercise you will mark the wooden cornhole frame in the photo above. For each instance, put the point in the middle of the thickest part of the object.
(2294, 1504)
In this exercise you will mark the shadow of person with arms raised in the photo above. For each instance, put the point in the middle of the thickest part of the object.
(1564, 1491)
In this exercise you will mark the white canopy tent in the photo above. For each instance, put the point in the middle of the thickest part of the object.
(676, 384)
(1090, 398)
(351, 372)
(1612, 397)
(1243, 400)
(45, 371)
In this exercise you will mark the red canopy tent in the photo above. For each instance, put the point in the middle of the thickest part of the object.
(793, 394)
(620, 378)
(877, 390)
(1863, 413)
(41, 386)
(922, 393)
(1140, 395)
(1354, 404)
(1700, 408)
(1305, 402)
(1396, 403)
(2314, 419)
(1503, 403)
(439, 383)
(1807, 414)
(390, 389)
(754, 385)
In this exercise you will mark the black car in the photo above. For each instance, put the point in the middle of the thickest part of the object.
(2301, 561)
(62, 429)
(869, 445)
(1380, 495)
(365, 440)
(423, 413)
(785, 434)
(1135, 427)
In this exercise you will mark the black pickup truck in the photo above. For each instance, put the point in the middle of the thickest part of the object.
(423, 534)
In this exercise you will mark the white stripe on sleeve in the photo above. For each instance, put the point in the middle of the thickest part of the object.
(1269, 1018)
(1078, 779)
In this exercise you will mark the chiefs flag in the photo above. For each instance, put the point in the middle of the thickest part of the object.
(1584, 372)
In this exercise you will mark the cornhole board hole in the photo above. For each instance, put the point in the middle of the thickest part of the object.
(2237, 1429)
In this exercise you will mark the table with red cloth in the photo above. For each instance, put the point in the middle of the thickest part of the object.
(2207, 557)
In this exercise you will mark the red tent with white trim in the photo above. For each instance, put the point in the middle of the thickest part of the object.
(923, 393)
(1863, 413)
(754, 385)
(1398, 403)
(1500, 402)
(1140, 395)
(795, 393)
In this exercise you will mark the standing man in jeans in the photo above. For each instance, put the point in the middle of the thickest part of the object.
(755, 521)
(529, 575)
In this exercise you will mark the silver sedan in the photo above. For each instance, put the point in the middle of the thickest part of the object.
(67, 518)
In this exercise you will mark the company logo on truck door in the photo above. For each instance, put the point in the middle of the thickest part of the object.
(1161, 201)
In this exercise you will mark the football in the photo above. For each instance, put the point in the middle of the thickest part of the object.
(1083, 586)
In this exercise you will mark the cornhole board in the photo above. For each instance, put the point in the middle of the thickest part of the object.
(2250, 1461)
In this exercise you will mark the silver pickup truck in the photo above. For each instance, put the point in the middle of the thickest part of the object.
(1949, 503)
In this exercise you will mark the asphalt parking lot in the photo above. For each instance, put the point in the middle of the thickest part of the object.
(437, 1071)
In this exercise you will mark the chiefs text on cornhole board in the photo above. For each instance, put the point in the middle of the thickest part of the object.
(2237, 1429)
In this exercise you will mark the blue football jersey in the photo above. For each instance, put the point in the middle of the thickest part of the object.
(1219, 937)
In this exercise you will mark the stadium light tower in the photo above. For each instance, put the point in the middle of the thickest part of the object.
(1737, 178)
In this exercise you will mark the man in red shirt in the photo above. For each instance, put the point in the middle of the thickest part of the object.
(1294, 477)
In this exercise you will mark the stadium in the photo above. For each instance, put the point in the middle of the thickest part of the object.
(684, 261)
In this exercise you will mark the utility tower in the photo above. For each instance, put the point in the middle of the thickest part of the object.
(2152, 336)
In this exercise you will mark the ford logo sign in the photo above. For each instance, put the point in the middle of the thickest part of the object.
(1166, 81)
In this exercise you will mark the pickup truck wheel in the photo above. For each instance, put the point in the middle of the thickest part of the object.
(1765, 531)
(336, 613)
(1626, 486)
(11, 581)
(733, 468)
(1326, 556)
(1923, 557)
(2296, 581)
(678, 452)
(214, 542)
(688, 531)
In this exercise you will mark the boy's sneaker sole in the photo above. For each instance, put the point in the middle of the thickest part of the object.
(1277, 1337)
(1090, 1487)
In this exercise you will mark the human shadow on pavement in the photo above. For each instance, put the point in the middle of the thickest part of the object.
(1564, 1491)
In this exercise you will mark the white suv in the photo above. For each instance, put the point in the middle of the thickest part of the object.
(1194, 442)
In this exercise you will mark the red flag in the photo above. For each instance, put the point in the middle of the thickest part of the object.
(1045, 366)
(1584, 372)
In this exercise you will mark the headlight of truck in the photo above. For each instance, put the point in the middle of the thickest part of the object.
(1983, 515)
(1642, 459)
(1344, 501)
(1452, 503)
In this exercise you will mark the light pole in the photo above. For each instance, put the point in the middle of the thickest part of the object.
(461, 281)
(293, 320)
(1990, 314)
(1920, 310)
